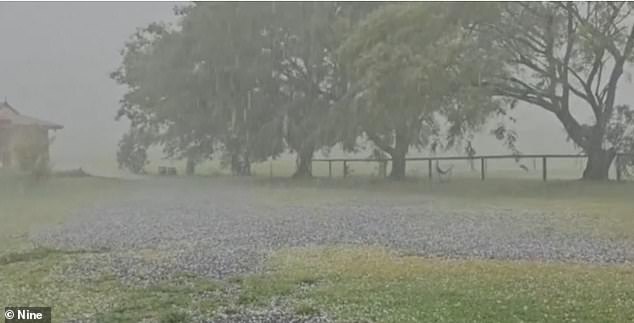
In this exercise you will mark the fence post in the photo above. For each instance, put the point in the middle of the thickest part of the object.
(482, 169)
(330, 169)
(345, 168)
(544, 169)
(618, 168)
(429, 169)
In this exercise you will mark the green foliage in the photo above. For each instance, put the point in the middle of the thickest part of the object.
(252, 80)
(132, 153)
(249, 79)
(413, 70)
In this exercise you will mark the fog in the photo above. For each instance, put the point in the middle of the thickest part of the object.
(224, 194)
(55, 61)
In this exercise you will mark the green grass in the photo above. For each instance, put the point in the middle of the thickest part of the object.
(33, 276)
(36, 279)
(352, 284)
(375, 285)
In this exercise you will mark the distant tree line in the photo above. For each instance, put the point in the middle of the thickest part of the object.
(250, 81)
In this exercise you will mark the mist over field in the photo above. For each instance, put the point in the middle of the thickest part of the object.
(55, 61)
(317, 162)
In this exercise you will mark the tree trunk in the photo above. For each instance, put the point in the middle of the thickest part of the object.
(246, 166)
(398, 157)
(599, 159)
(235, 164)
(598, 165)
(190, 169)
(240, 165)
(398, 166)
(304, 163)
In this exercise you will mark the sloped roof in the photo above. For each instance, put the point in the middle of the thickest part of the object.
(10, 116)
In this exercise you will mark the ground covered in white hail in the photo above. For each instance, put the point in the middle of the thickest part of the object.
(221, 232)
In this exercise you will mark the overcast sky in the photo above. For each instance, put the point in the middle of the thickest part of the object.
(55, 59)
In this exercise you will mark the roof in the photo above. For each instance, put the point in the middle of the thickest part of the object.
(10, 116)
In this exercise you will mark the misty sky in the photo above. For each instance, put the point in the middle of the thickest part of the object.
(54, 64)
(55, 59)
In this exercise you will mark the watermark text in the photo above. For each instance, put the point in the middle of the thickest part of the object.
(27, 314)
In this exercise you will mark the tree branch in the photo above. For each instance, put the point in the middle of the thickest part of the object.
(597, 34)
(532, 98)
(380, 143)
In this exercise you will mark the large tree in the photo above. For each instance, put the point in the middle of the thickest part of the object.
(249, 79)
(228, 43)
(564, 57)
(412, 69)
(308, 74)
(197, 86)
(165, 102)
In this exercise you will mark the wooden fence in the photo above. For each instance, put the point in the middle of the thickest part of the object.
(619, 162)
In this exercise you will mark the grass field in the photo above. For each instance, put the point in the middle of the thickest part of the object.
(359, 285)
(26, 205)
(608, 207)
(351, 284)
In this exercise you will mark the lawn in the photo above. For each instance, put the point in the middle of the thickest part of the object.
(351, 284)
(26, 205)
(607, 208)
(36, 278)
(31, 275)
(362, 284)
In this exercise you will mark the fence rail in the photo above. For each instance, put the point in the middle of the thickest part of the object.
(619, 160)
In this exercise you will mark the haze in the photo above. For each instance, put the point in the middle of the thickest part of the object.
(55, 61)
(317, 162)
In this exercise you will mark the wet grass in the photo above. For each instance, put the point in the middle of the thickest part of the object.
(34, 276)
(39, 281)
(354, 285)
(362, 284)
(34, 254)
(607, 208)
(351, 284)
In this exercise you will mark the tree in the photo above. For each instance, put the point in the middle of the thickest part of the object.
(249, 79)
(132, 153)
(309, 78)
(412, 69)
(192, 85)
(564, 57)
(226, 43)
(163, 102)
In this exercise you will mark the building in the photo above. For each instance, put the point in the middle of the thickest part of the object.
(23, 139)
